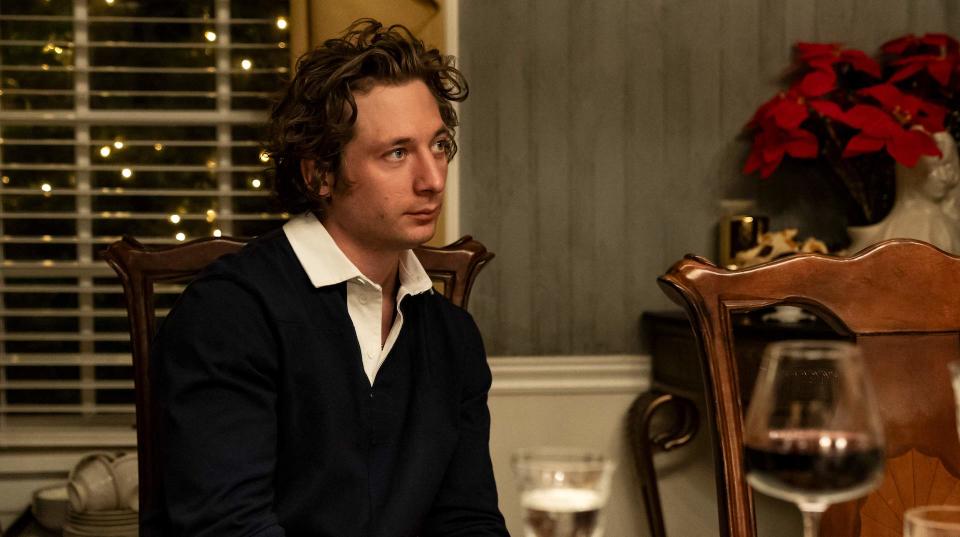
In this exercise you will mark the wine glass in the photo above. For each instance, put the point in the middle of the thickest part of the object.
(562, 490)
(812, 434)
(932, 521)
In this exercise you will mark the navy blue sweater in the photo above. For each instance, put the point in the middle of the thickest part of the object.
(271, 428)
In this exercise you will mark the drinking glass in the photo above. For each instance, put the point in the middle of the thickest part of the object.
(812, 434)
(932, 521)
(954, 368)
(562, 491)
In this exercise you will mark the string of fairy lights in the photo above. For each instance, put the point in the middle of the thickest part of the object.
(110, 151)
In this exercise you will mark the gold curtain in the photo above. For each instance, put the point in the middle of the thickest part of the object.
(313, 21)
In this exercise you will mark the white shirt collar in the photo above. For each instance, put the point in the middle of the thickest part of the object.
(325, 264)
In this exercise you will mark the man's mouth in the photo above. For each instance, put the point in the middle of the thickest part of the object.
(431, 211)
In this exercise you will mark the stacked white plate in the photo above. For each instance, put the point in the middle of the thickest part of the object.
(101, 524)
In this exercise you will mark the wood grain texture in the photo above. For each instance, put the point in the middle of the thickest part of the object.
(600, 136)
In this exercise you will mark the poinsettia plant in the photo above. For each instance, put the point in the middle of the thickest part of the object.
(859, 115)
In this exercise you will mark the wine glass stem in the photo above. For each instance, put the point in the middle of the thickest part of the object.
(811, 523)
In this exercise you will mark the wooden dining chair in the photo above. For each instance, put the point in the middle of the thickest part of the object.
(900, 302)
(453, 269)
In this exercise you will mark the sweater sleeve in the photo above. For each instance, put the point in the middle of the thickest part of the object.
(213, 367)
(466, 503)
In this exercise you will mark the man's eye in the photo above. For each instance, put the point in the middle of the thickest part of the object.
(441, 146)
(397, 154)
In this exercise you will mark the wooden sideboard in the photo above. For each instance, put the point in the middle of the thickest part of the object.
(669, 339)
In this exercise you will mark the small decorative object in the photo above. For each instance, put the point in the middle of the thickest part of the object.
(856, 117)
(788, 315)
(776, 244)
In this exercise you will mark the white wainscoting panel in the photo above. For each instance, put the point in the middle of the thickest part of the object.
(568, 401)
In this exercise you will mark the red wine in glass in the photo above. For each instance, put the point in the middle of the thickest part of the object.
(809, 466)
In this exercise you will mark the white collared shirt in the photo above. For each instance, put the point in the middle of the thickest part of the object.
(326, 264)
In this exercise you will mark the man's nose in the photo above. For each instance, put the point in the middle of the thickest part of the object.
(431, 173)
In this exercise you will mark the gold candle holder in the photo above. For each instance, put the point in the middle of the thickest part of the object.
(739, 232)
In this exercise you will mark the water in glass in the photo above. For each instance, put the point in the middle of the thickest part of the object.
(932, 521)
(562, 491)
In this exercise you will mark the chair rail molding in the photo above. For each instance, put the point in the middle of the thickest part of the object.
(545, 375)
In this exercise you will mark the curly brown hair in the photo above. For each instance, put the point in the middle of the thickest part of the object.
(316, 112)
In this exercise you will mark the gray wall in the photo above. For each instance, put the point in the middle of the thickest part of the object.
(599, 137)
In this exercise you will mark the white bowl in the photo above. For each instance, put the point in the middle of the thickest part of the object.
(127, 480)
(92, 486)
(50, 506)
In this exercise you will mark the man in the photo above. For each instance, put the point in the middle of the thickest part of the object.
(313, 384)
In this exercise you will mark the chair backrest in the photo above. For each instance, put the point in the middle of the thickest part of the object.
(900, 301)
(453, 268)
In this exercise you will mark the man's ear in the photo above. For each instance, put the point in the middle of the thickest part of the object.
(308, 168)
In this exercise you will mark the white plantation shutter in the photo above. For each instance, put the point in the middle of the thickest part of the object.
(139, 117)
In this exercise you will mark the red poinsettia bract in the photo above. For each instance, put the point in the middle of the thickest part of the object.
(907, 109)
(888, 126)
(910, 44)
(771, 144)
(777, 133)
(786, 109)
(821, 59)
(937, 54)
(879, 130)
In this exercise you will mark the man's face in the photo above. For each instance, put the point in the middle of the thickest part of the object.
(395, 168)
